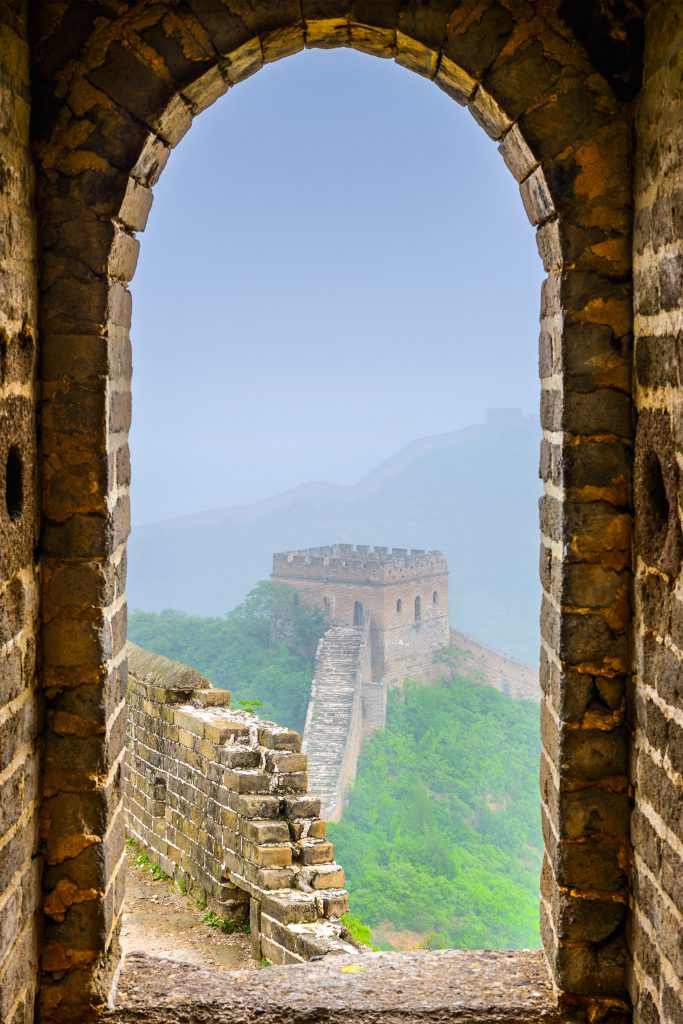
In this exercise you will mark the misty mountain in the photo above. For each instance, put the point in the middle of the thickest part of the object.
(472, 493)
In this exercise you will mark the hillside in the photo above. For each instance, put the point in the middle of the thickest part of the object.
(472, 494)
(441, 837)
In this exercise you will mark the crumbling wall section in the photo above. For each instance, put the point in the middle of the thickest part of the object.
(656, 923)
(20, 717)
(220, 799)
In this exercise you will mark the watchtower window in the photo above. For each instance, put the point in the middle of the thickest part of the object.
(358, 614)
(435, 597)
(399, 606)
(418, 609)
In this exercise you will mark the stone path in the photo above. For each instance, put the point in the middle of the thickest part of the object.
(335, 682)
(160, 921)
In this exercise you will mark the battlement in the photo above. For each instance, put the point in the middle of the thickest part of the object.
(357, 563)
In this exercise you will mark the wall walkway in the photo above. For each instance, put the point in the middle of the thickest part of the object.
(334, 721)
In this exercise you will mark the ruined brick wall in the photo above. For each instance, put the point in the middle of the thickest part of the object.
(220, 800)
(657, 701)
(404, 592)
(20, 716)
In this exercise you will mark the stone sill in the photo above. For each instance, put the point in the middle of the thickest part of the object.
(443, 985)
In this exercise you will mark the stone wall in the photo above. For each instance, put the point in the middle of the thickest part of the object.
(20, 711)
(114, 88)
(511, 677)
(220, 800)
(334, 728)
(373, 708)
(656, 926)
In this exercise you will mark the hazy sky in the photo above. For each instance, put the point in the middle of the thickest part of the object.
(337, 261)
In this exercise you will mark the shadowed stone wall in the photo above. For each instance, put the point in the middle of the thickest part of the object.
(220, 800)
(657, 702)
(20, 713)
(113, 88)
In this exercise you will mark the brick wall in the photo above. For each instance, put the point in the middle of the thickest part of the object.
(20, 718)
(656, 925)
(219, 798)
(116, 88)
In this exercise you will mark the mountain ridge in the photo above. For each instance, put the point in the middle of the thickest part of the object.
(471, 493)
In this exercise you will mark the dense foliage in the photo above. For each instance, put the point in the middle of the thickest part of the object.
(441, 834)
(239, 653)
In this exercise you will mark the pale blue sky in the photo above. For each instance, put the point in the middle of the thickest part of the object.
(337, 262)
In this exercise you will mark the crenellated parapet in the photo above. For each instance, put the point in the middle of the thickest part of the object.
(359, 563)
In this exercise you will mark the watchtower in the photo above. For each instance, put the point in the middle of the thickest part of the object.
(403, 593)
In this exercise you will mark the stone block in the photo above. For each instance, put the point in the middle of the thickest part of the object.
(267, 831)
(315, 853)
(317, 829)
(276, 738)
(272, 855)
(254, 806)
(293, 908)
(332, 903)
(327, 877)
(296, 783)
(284, 761)
(239, 757)
(268, 878)
(301, 807)
(246, 780)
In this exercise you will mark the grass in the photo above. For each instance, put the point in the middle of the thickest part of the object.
(225, 924)
(141, 860)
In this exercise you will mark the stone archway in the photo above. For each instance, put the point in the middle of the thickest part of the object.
(117, 88)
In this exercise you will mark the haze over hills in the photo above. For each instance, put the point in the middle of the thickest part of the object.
(471, 493)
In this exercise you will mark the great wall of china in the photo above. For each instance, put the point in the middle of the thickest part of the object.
(235, 808)
(387, 612)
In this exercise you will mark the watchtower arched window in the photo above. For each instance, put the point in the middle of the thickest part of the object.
(435, 597)
(358, 614)
(399, 606)
(418, 609)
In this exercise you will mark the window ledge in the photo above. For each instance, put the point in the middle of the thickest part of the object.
(441, 985)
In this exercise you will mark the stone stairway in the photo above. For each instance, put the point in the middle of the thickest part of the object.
(333, 721)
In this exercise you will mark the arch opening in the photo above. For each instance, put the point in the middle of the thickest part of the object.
(539, 202)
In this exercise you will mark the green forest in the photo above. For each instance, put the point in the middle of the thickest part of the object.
(441, 837)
